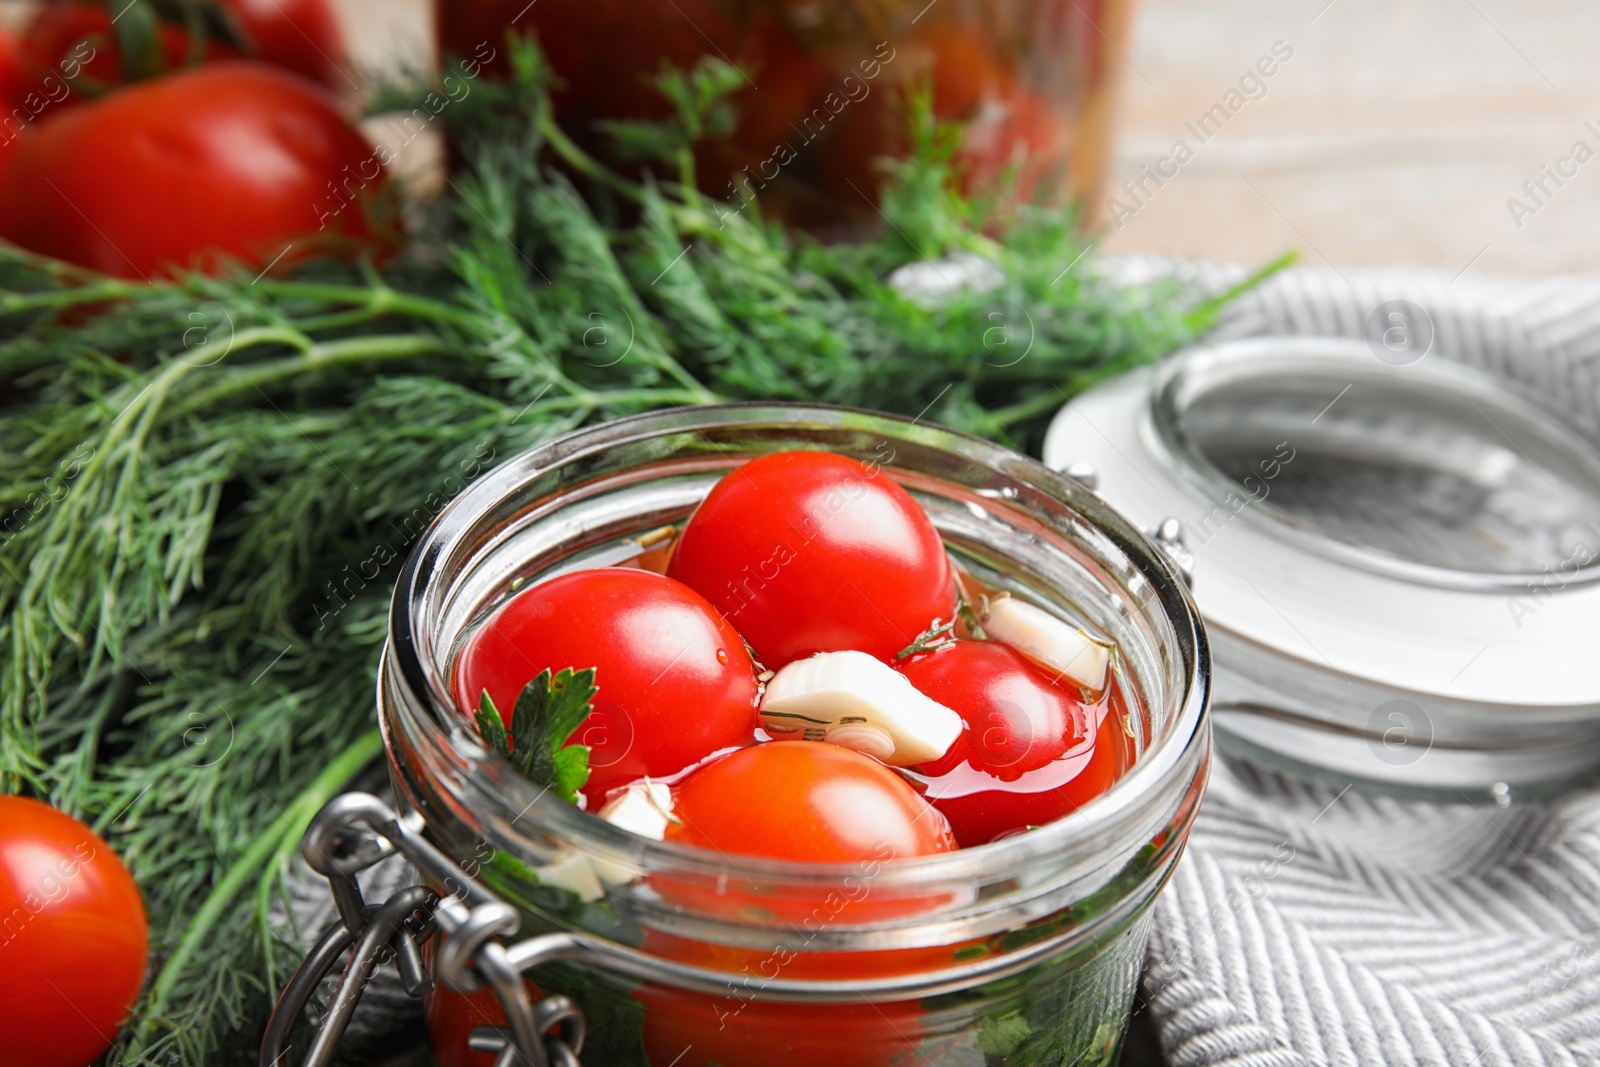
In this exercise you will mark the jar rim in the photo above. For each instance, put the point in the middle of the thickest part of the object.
(1155, 781)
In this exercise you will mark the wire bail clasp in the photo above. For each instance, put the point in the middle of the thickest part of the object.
(355, 831)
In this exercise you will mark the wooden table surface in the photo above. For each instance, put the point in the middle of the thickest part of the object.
(1395, 134)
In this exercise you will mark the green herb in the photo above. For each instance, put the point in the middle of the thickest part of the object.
(212, 483)
(546, 714)
(938, 635)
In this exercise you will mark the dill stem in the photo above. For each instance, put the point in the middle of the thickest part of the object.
(314, 357)
(1005, 418)
(369, 302)
(1205, 313)
(290, 824)
(584, 163)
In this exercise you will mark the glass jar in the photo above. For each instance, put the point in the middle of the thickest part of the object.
(1034, 81)
(1024, 951)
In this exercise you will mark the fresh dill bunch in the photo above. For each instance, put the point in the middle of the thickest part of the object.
(212, 483)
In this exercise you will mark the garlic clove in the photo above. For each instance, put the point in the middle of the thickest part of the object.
(643, 807)
(854, 700)
(1056, 645)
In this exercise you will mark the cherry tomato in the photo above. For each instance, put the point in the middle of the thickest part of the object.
(1031, 752)
(72, 939)
(683, 1029)
(14, 80)
(813, 552)
(812, 802)
(675, 684)
(452, 1017)
(1010, 130)
(298, 35)
(15, 85)
(73, 39)
(805, 800)
(236, 159)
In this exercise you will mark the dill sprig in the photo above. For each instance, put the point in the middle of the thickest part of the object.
(211, 483)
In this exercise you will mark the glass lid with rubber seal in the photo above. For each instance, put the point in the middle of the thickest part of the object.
(1398, 564)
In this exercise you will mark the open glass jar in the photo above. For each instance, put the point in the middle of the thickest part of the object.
(1024, 951)
(1033, 81)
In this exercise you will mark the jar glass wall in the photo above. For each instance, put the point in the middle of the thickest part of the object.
(1022, 951)
(825, 81)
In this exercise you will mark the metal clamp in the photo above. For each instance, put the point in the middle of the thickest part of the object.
(1169, 537)
(352, 833)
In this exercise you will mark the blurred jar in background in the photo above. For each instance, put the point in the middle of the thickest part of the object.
(1033, 81)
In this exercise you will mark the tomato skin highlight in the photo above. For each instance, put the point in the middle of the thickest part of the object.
(810, 552)
(73, 938)
(1031, 752)
(236, 159)
(675, 684)
(805, 800)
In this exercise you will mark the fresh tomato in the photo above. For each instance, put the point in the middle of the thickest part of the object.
(675, 684)
(235, 160)
(14, 87)
(79, 39)
(805, 800)
(72, 939)
(813, 552)
(298, 35)
(14, 80)
(1032, 750)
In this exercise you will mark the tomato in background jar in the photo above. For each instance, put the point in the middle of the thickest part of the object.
(826, 78)
(1032, 751)
(1011, 131)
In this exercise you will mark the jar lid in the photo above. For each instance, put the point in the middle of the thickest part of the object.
(1398, 565)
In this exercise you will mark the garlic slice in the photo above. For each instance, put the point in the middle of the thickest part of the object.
(1057, 646)
(856, 701)
(643, 807)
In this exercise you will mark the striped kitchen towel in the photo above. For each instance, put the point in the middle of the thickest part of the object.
(1315, 923)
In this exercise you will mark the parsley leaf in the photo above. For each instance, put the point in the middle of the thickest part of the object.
(546, 714)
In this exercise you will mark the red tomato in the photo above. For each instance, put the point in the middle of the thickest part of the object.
(453, 1016)
(812, 552)
(1010, 130)
(1031, 752)
(72, 939)
(14, 80)
(805, 800)
(683, 1029)
(236, 159)
(79, 38)
(298, 35)
(675, 684)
